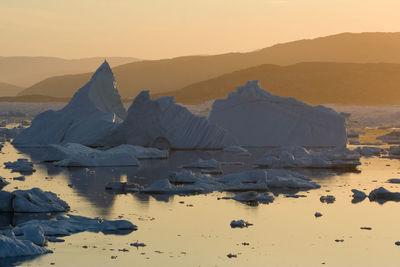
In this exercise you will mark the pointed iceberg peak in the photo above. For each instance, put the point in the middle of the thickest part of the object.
(251, 89)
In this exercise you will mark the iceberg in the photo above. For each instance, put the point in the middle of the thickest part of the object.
(257, 118)
(77, 155)
(93, 113)
(300, 157)
(162, 123)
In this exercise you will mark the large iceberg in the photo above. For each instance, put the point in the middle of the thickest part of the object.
(255, 117)
(93, 113)
(164, 124)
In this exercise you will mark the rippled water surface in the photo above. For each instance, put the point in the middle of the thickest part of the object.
(195, 230)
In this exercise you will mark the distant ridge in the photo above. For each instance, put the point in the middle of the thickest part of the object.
(314, 83)
(7, 89)
(161, 76)
(25, 71)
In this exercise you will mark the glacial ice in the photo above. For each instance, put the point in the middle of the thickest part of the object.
(256, 118)
(162, 123)
(77, 155)
(10, 246)
(300, 157)
(31, 201)
(93, 112)
(21, 165)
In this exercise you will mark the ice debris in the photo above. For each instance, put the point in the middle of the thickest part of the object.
(240, 224)
(329, 199)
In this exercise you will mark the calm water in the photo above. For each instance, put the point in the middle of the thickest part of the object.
(285, 233)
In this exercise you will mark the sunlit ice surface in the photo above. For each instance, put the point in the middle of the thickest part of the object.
(195, 230)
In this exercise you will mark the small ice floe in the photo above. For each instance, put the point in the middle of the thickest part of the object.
(390, 138)
(186, 177)
(203, 164)
(300, 157)
(253, 197)
(240, 224)
(237, 150)
(165, 187)
(137, 244)
(358, 195)
(365, 228)
(354, 141)
(19, 178)
(230, 255)
(21, 165)
(123, 187)
(317, 214)
(11, 246)
(397, 243)
(294, 196)
(394, 152)
(354, 134)
(31, 201)
(327, 199)
(77, 155)
(3, 182)
(381, 195)
(369, 151)
(394, 180)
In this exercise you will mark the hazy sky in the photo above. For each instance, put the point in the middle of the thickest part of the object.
(167, 28)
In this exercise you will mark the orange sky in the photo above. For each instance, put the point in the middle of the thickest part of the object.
(167, 28)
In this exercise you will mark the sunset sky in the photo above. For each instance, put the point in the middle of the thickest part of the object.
(153, 29)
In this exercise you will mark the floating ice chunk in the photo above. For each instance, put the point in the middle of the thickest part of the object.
(21, 165)
(318, 214)
(240, 224)
(353, 133)
(164, 124)
(369, 151)
(3, 182)
(36, 200)
(354, 142)
(394, 180)
(289, 180)
(382, 194)
(327, 199)
(93, 113)
(237, 150)
(255, 117)
(358, 195)
(254, 180)
(76, 155)
(123, 187)
(137, 244)
(10, 246)
(394, 150)
(390, 138)
(300, 157)
(70, 224)
(203, 164)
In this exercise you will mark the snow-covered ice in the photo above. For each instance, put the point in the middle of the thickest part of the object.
(10, 246)
(255, 117)
(164, 124)
(77, 155)
(300, 157)
(93, 113)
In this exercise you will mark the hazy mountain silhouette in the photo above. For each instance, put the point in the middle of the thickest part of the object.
(313, 83)
(26, 71)
(161, 76)
(7, 89)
